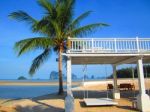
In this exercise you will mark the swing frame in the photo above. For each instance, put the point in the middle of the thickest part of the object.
(97, 101)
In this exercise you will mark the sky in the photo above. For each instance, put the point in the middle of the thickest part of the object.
(127, 18)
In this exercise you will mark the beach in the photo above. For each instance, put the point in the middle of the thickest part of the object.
(33, 83)
(55, 103)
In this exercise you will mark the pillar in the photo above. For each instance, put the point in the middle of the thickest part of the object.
(69, 100)
(116, 92)
(143, 100)
(69, 75)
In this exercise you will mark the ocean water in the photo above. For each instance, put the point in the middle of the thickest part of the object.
(14, 92)
(26, 91)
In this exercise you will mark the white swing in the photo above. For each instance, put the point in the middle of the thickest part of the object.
(96, 101)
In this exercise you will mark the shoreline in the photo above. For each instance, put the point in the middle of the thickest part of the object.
(13, 83)
(51, 83)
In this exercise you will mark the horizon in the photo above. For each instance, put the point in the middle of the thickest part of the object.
(126, 18)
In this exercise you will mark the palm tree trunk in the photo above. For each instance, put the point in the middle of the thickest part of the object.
(60, 72)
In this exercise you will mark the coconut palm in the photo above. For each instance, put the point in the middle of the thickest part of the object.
(56, 25)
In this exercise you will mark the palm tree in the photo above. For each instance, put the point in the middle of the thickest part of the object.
(56, 25)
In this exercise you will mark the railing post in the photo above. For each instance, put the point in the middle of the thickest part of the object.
(92, 45)
(68, 45)
(137, 43)
(115, 40)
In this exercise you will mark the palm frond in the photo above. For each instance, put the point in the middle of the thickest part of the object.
(65, 13)
(46, 26)
(39, 60)
(86, 30)
(43, 22)
(77, 21)
(27, 45)
(47, 5)
(22, 16)
(57, 28)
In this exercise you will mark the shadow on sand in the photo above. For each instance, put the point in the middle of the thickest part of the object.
(50, 96)
(43, 107)
(38, 108)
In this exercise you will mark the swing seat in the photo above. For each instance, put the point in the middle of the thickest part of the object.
(99, 102)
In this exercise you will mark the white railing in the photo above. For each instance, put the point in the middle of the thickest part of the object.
(109, 45)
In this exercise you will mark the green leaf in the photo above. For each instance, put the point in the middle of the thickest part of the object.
(47, 5)
(39, 60)
(27, 45)
(86, 30)
(22, 16)
(77, 21)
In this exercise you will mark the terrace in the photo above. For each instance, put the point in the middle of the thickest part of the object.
(113, 51)
(109, 45)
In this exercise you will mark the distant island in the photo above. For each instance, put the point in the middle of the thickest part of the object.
(55, 75)
(22, 78)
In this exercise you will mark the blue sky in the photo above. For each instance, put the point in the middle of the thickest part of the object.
(128, 18)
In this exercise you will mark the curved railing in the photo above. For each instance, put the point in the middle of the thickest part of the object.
(108, 45)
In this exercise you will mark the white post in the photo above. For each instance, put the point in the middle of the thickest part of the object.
(116, 92)
(69, 100)
(143, 100)
(92, 45)
(137, 43)
(115, 40)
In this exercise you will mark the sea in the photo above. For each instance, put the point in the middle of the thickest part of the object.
(9, 92)
(23, 91)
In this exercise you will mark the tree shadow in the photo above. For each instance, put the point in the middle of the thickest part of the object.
(9, 100)
(41, 106)
(48, 107)
(49, 96)
(38, 108)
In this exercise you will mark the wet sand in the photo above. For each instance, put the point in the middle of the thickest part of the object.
(30, 83)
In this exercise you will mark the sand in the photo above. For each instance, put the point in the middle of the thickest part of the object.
(55, 103)
(26, 83)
